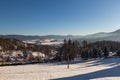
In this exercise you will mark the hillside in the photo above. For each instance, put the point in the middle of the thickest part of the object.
(11, 44)
(15, 44)
(13, 51)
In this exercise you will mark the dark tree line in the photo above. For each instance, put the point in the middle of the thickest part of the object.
(71, 49)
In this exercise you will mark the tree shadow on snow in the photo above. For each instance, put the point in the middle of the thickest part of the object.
(107, 62)
(111, 72)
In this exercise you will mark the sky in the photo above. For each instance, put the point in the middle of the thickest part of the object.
(58, 17)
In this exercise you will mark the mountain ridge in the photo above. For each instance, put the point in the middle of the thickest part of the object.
(114, 36)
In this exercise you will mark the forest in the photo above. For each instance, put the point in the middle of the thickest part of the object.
(13, 50)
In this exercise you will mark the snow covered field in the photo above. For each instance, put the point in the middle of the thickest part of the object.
(106, 69)
(44, 42)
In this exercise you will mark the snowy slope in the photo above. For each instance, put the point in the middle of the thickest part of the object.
(106, 69)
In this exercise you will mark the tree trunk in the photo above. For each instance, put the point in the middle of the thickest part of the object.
(68, 62)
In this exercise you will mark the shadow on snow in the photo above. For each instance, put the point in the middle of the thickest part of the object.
(111, 72)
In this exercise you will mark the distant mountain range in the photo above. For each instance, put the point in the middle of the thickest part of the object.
(113, 36)
(24, 37)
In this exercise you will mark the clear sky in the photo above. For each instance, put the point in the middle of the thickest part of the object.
(59, 17)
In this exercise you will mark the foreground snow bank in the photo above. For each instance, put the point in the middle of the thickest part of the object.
(106, 69)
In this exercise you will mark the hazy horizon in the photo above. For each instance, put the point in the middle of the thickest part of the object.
(59, 34)
(58, 17)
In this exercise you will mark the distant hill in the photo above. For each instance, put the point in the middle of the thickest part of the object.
(24, 37)
(113, 36)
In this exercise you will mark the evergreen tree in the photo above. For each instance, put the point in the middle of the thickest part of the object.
(118, 52)
(69, 50)
(84, 43)
(106, 52)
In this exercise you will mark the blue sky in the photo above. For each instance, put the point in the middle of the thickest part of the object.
(59, 17)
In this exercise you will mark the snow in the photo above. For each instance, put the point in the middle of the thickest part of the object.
(51, 43)
(104, 69)
(44, 42)
(38, 54)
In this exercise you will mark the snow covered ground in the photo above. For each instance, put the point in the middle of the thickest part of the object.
(105, 69)
(44, 42)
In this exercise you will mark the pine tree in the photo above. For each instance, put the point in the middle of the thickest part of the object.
(84, 43)
(69, 51)
(106, 52)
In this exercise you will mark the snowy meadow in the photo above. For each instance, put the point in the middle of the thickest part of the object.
(103, 69)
